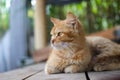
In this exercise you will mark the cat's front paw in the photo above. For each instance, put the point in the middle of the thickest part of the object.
(51, 70)
(72, 69)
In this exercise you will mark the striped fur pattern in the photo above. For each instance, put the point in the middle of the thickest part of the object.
(73, 52)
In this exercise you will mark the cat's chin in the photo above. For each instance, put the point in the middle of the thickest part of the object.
(59, 46)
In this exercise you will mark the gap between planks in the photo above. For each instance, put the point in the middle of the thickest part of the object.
(22, 74)
(35, 72)
(61, 76)
(31, 75)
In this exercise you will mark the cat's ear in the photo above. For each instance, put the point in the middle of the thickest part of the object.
(71, 19)
(71, 16)
(54, 20)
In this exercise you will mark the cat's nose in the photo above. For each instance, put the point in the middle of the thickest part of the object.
(52, 41)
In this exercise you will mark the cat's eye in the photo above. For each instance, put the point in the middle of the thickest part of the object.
(59, 34)
(73, 24)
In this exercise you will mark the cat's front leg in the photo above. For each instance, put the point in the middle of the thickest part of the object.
(73, 69)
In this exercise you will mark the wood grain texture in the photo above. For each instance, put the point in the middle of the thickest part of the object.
(63, 76)
(106, 75)
(22, 74)
(36, 72)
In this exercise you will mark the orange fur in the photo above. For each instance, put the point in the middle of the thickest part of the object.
(73, 52)
(70, 52)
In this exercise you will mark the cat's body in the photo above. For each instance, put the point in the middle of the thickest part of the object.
(73, 52)
(106, 54)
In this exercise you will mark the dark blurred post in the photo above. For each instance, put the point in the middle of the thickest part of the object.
(90, 17)
(18, 31)
(40, 28)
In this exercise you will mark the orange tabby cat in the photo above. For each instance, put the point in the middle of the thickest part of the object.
(72, 52)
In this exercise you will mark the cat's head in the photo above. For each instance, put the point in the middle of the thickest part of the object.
(66, 32)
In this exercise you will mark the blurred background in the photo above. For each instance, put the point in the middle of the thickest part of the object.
(25, 26)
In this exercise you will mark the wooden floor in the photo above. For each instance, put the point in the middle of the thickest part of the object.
(36, 72)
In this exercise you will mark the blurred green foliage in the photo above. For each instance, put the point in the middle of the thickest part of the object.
(4, 17)
(95, 15)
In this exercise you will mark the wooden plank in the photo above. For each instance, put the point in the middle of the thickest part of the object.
(63, 76)
(22, 74)
(36, 72)
(106, 75)
(105, 33)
